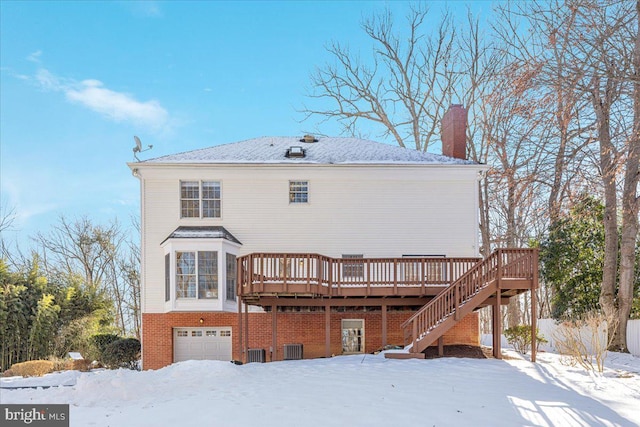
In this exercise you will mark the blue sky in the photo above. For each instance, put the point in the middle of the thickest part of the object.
(79, 79)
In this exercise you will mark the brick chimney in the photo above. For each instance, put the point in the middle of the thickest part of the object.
(454, 132)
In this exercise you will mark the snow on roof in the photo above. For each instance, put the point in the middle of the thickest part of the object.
(202, 232)
(325, 151)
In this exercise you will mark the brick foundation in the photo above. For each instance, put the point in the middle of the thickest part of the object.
(307, 328)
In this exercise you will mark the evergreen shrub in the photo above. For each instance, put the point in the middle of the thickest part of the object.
(519, 337)
(123, 353)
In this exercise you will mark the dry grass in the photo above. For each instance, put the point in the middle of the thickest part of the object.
(32, 368)
(584, 342)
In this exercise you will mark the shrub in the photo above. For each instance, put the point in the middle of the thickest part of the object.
(81, 365)
(584, 341)
(520, 338)
(32, 368)
(58, 363)
(101, 341)
(123, 353)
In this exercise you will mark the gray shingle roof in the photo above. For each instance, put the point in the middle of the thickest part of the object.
(202, 232)
(325, 151)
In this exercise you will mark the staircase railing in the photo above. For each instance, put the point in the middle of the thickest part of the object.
(501, 264)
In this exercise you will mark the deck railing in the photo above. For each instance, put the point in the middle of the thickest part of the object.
(318, 274)
(501, 265)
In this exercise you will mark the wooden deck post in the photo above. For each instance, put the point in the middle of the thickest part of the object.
(456, 313)
(246, 334)
(534, 304)
(384, 324)
(441, 346)
(274, 333)
(240, 273)
(327, 330)
(240, 346)
(534, 325)
(497, 326)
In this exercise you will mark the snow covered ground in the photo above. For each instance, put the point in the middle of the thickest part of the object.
(365, 390)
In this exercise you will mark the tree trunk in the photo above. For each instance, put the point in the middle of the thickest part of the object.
(601, 107)
(630, 204)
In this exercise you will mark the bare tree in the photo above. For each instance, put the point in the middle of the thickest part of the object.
(587, 53)
(403, 89)
(7, 217)
(80, 247)
(553, 103)
(105, 259)
(630, 198)
(607, 43)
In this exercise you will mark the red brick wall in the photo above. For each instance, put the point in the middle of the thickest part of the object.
(292, 328)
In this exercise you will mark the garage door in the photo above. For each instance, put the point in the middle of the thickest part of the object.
(201, 344)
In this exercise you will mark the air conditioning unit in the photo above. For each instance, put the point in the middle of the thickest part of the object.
(256, 355)
(292, 351)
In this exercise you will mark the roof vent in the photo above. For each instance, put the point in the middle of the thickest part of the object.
(295, 151)
(309, 139)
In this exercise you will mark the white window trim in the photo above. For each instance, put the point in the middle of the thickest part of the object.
(290, 193)
(222, 246)
(200, 199)
(197, 273)
(362, 337)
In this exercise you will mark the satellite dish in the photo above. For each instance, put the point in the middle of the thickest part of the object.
(138, 147)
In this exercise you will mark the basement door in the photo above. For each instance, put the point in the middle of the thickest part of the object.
(201, 344)
(352, 336)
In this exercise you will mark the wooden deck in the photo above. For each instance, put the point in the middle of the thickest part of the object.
(504, 273)
(313, 275)
(446, 289)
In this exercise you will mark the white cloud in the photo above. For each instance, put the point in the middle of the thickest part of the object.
(48, 81)
(116, 106)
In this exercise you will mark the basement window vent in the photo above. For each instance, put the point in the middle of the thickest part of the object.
(256, 355)
(292, 351)
(309, 139)
(295, 152)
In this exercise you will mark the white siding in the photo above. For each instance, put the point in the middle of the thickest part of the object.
(377, 211)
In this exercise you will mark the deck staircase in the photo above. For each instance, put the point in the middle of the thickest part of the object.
(505, 271)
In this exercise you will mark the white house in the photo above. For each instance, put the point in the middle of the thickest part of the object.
(310, 216)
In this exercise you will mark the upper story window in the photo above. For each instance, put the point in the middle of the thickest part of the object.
(197, 274)
(200, 199)
(298, 191)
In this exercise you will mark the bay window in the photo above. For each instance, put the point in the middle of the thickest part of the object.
(197, 274)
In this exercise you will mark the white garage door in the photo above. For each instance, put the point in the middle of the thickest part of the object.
(201, 344)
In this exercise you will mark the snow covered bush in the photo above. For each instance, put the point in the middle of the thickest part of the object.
(123, 353)
(520, 338)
